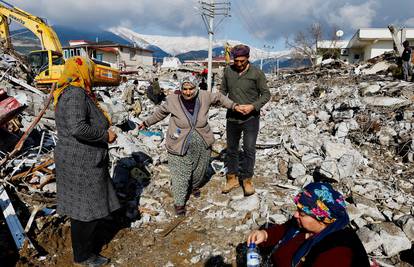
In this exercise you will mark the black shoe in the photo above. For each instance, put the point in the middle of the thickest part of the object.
(93, 261)
(196, 192)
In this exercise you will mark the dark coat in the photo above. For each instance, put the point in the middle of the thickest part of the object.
(342, 248)
(84, 188)
(248, 88)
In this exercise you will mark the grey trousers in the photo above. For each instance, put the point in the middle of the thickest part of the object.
(188, 171)
(407, 69)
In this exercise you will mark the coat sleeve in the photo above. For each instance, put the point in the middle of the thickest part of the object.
(222, 100)
(161, 113)
(223, 87)
(274, 234)
(76, 114)
(263, 91)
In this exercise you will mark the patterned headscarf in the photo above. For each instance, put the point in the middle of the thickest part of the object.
(190, 80)
(78, 72)
(322, 202)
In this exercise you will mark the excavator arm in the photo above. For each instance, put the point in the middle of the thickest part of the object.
(397, 41)
(4, 31)
(48, 62)
(47, 36)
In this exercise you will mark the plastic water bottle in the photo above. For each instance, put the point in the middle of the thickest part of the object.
(253, 257)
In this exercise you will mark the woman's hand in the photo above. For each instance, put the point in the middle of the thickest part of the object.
(142, 126)
(257, 237)
(111, 136)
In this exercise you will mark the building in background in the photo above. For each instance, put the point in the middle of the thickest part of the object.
(366, 43)
(123, 57)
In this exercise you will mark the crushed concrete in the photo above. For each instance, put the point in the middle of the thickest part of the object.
(348, 125)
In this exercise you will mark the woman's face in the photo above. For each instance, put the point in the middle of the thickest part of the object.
(308, 223)
(188, 91)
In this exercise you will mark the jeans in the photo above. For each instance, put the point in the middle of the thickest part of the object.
(407, 71)
(234, 130)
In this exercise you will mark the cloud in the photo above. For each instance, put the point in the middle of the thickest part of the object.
(176, 16)
(265, 20)
(409, 22)
(355, 16)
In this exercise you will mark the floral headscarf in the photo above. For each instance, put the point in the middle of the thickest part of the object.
(78, 72)
(322, 202)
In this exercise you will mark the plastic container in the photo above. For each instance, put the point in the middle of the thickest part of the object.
(253, 257)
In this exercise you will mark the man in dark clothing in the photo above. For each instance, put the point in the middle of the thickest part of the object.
(246, 85)
(203, 84)
(406, 60)
(157, 94)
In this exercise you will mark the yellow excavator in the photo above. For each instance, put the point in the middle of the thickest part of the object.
(47, 63)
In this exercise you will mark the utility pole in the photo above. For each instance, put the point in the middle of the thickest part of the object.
(208, 11)
(266, 48)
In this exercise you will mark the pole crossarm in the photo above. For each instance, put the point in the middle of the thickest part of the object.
(209, 10)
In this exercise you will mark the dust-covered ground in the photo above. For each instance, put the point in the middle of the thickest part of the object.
(329, 124)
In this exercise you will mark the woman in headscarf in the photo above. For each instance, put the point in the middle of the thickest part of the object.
(317, 236)
(189, 137)
(84, 189)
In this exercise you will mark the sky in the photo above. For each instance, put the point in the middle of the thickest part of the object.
(261, 23)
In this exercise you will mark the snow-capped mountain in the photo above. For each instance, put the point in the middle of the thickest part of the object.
(176, 45)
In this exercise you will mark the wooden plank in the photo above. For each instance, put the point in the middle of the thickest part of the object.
(177, 221)
(22, 83)
(38, 167)
(12, 220)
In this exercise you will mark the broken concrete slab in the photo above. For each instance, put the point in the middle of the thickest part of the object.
(393, 238)
(370, 239)
(384, 101)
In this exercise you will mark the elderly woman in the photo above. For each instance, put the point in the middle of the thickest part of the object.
(189, 137)
(84, 189)
(317, 235)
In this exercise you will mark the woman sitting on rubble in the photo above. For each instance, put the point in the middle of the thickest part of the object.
(317, 235)
(84, 189)
(189, 137)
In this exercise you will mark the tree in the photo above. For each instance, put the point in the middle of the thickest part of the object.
(305, 44)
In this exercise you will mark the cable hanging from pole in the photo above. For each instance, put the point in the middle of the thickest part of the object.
(209, 10)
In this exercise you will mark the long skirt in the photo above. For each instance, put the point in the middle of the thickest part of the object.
(188, 171)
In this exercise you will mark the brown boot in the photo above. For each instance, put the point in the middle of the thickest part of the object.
(248, 187)
(231, 183)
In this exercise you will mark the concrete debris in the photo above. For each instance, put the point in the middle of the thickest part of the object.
(346, 124)
(393, 239)
(369, 238)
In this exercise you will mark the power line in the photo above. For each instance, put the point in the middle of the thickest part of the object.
(247, 25)
(209, 10)
(251, 18)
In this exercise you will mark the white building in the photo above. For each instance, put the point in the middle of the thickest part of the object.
(170, 63)
(368, 43)
(123, 57)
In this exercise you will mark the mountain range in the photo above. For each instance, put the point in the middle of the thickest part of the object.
(185, 48)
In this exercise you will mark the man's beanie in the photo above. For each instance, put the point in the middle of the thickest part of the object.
(240, 51)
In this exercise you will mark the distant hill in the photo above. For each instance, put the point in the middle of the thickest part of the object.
(25, 41)
(270, 64)
(66, 33)
(200, 54)
(24, 36)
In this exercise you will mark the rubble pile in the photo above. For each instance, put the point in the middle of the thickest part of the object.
(351, 128)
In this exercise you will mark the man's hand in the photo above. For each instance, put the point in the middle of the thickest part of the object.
(111, 136)
(245, 109)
